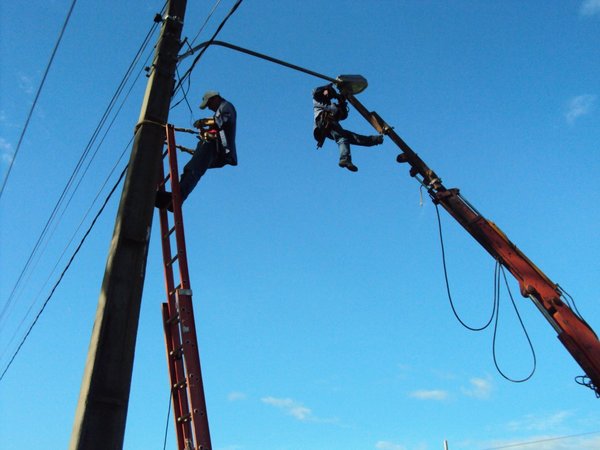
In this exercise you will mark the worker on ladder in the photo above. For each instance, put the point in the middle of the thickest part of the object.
(215, 149)
(327, 117)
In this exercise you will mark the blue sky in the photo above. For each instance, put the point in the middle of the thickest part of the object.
(320, 301)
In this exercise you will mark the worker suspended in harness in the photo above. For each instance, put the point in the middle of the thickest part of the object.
(215, 149)
(327, 117)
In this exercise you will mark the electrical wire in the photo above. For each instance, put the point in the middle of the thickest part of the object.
(539, 441)
(586, 381)
(214, 36)
(60, 278)
(210, 14)
(16, 331)
(37, 96)
(498, 270)
(464, 324)
(77, 169)
(167, 421)
(185, 92)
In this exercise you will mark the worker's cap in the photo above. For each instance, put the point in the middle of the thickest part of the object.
(207, 96)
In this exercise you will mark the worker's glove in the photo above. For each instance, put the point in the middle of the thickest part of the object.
(204, 123)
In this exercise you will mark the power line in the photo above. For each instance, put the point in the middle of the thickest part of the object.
(185, 92)
(60, 278)
(206, 21)
(16, 331)
(539, 441)
(37, 96)
(214, 36)
(78, 166)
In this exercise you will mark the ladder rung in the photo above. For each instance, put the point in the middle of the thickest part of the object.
(168, 233)
(172, 319)
(173, 259)
(164, 180)
(174, 290)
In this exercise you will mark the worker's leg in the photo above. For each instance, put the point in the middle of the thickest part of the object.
(196, 167)
(344, 138)
(339, 135)
(350, 137)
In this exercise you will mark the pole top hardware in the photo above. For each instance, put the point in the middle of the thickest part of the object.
(353, 84)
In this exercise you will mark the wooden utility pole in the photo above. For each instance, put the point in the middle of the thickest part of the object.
(102, 409)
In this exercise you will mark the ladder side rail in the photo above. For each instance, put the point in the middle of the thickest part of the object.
(177, 212)
(178, 400)
(172, 337)
(195, 387)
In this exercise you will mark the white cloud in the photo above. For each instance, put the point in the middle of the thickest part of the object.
(386, 445)
(290, 407)
(580, 106)
(26, 84)
(434, 394)
(590, 7)
(532, 422)
(6, 151)
(236, 396)
(480, 388)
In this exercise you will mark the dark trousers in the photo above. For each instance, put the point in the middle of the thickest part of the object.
(344, 138)
(203, 158)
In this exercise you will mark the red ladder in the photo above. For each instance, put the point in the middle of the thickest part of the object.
(187, 391)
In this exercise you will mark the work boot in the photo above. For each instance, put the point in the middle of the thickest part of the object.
(164, 200)
(347, 164)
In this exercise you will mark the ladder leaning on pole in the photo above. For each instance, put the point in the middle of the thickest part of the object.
(187, 391)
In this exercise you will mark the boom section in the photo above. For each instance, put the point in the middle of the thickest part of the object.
(574, 333)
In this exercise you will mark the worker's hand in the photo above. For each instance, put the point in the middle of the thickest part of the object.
(205, 122)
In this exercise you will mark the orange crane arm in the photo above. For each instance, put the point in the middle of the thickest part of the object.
(574, 333)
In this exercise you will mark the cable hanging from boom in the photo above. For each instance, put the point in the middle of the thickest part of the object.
(495, 315)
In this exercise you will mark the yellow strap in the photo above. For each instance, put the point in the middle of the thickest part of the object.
(147, 122)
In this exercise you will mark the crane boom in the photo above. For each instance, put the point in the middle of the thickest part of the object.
(574, 333)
